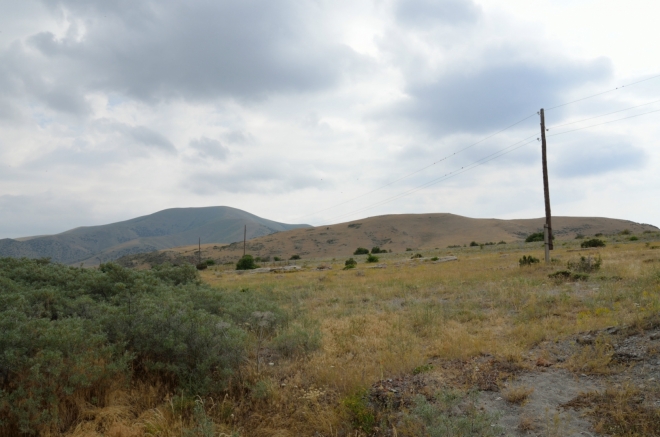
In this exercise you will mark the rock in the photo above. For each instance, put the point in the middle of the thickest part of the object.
(655, 336)
(445, 259)
(585, 339)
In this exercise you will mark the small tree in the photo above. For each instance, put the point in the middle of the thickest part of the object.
(246, 263)
(350, 264)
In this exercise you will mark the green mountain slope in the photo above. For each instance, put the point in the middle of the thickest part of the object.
(161, 230)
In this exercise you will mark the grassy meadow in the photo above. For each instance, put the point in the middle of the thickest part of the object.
(316, 371)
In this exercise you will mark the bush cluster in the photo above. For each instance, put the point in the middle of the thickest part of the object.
(361, 251)
(350, 264)
(594, 242)
(67, 333)
(528, 260)
(246, 263)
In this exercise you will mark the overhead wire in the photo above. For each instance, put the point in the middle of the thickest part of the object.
(603, 115)
(423, 168)
(451, 174)
(601, 93)
(606, 122)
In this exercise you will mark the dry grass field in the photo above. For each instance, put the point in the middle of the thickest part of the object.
(402, 347)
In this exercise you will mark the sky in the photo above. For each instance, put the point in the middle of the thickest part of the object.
(326, 111)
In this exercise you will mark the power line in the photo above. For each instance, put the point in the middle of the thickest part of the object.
(601, 93)
(606, 122)
(446, 176)
(609, 113)
(423, 168)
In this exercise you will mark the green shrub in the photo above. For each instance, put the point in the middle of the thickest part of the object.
(277, 258)
(579, 237)
(67, 334)
(528, 260)
(535, 237)
(350, 263)
(377, 249)
(435, 258)
(502, 242)
(625, 232)
(294, 257)
(473, 244)
(202, 266)
(408, 249)
(372, 259)
(594, 242)
(361, 251)
(210, 262)
(246, 263)
(633, 238)
(362, 415)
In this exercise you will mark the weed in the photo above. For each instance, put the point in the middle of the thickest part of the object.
(517, 395)
(585, 264)
(361, 414)
(527, 260)
(422, 369)
(453, 414)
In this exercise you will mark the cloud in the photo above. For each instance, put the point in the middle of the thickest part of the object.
(209, 148)
(489, 96)
(426, 13)
(257, 177)
(140, 135)
(593, 155)
(155, 50)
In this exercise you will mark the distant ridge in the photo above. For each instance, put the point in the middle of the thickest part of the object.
(396, 233)
(165, 229)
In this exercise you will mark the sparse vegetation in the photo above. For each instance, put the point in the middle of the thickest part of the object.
(527, 260)
(585, 264)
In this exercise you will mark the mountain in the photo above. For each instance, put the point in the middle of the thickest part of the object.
(395, 232)
(165, 229)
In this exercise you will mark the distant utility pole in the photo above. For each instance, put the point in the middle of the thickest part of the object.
(199, 254)
(244, 238)
(546, 191)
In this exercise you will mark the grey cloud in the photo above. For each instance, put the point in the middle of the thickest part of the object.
(195, 50)
(238, 137)
(258, 178)
(210, 148)
(137, 134)
(426, 13)
(496, 94)
(589, 155)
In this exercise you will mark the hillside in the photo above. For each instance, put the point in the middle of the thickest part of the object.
(396, 233)
(161, 230)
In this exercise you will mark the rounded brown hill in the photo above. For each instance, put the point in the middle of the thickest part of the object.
(400, 232)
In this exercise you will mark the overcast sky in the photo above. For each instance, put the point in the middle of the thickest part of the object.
(289, 109)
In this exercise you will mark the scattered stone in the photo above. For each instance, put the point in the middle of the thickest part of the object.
(585, 339)
(445, 259)
(655, 336)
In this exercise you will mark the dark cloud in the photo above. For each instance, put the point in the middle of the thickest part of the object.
(494, 95)
(426, 13)
(153, 50)
(209, 148)
(591, 155)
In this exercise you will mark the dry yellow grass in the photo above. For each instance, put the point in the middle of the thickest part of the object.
(382, 323)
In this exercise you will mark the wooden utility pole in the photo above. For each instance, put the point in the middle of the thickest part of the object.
(546, 187)
(199, 254)
(244, 238)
